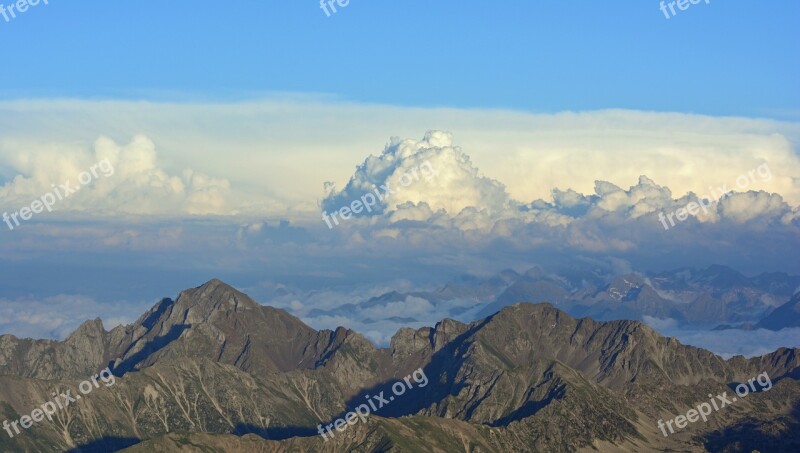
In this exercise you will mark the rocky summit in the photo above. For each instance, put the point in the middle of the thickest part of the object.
(213, 370)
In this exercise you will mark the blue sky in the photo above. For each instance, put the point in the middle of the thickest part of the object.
(731, 57)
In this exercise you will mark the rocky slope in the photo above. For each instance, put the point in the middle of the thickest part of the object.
(215, 371)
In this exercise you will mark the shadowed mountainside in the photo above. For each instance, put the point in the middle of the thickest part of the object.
(213, 365)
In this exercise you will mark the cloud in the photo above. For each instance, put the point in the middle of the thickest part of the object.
(459, 199)
(448, 212)
(126, 180)
(744, 207)
(280, 151)
(55, 317)
(729, 343)
(430, 174)
(660, 324)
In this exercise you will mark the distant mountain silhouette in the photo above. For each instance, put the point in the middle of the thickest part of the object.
(787, 315)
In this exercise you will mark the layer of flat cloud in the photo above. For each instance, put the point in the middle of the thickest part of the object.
(278, 153)
(729, 343)
(55, 317)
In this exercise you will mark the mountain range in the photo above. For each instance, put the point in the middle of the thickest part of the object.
(699, 299)
(213, 370)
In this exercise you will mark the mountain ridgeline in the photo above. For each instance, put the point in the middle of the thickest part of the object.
(714, 298)
(213, 370)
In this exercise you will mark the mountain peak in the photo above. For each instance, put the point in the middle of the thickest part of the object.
(216, 283)
(523, 310)
(215, 289)
(213, 296)
(91, 329)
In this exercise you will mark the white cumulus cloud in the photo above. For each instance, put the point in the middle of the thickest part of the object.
(126, 179)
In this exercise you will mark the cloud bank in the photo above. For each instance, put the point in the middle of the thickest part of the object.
(55, 317)
(278, 152)
(236, 191)
(136, 185)
(636, 219)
